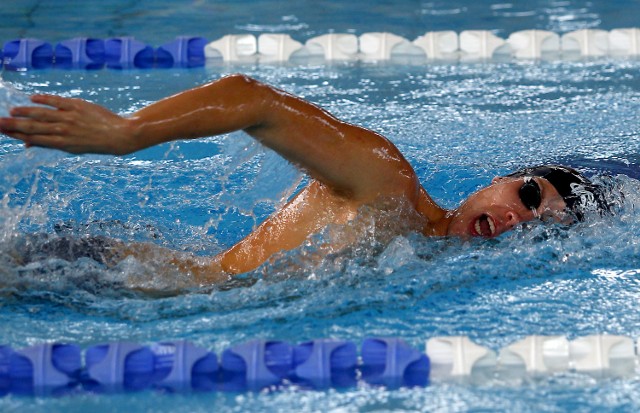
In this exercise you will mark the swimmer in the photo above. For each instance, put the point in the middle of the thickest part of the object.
(350, 168)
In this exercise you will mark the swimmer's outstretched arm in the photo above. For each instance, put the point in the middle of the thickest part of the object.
(354, 161)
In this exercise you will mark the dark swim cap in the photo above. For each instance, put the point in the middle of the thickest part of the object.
(579, 193)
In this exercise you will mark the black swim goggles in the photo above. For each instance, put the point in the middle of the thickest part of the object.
(530, 193)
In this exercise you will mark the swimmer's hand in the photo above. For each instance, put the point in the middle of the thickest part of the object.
(71, 125)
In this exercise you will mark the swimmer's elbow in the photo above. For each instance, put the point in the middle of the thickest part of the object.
(250, 96)
(241, 83)
(260, 104)
(240, 77)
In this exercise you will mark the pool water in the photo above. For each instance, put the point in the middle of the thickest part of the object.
(459, 124)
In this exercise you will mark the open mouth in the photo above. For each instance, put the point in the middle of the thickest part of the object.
(485, 226)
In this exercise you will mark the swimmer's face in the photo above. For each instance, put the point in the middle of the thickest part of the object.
(507, 202)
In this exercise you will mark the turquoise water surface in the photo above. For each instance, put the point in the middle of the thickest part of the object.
(459, 124)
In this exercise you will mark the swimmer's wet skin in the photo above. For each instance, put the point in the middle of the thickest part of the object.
(350, 167)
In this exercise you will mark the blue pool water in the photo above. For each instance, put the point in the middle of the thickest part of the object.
(458, 124)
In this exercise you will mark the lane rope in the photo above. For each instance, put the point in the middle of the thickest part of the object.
(191, 51)
(178, 366)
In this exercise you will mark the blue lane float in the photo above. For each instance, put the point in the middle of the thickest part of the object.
(392, 363)
(180, 366)
(23, 54)
(5, 379)
(40, 370)
(128, 53)
(256, 364)
(118, 366)
(80, 53)
(322, 364)
(184, 52)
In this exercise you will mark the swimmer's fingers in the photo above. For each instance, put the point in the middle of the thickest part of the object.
(58, 102)
(31, 139)
(54, 135)
(28, 126)
(59, 106)
(39, 114)
(45, 141)
(48, 138)
(38, 119)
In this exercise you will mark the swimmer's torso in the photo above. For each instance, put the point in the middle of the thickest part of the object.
(308, 212)
(315, 208)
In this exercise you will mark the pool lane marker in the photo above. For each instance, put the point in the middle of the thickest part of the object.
(179, 366)
(186, 52)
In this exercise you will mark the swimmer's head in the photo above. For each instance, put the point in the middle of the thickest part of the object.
(579, 194)
(549, 192)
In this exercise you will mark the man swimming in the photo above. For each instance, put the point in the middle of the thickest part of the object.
(350, 167)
